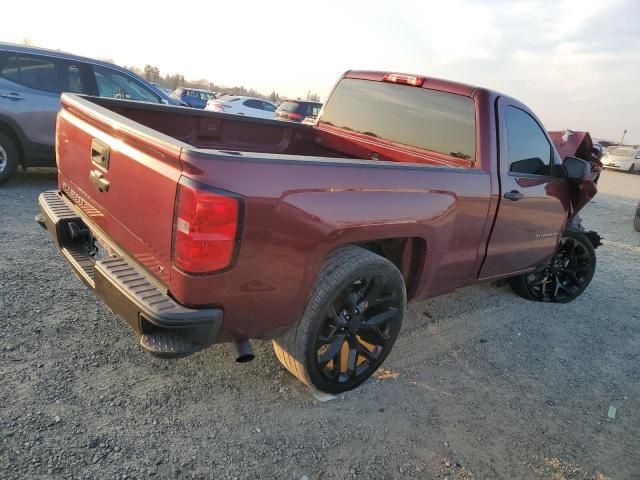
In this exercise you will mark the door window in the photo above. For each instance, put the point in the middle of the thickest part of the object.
(72, 80)
(529, 151)
(119, 85)
(33, 72)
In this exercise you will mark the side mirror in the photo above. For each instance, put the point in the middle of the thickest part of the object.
(530, 166)
(576, 169)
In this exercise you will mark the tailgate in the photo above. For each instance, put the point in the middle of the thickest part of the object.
(123, 176)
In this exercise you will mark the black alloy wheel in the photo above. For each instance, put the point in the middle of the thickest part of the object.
(358, 328)
(566, 275)
(350, 323)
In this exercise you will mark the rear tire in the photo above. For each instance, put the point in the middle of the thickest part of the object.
(566, 275)
(9, 158)
(350, 323)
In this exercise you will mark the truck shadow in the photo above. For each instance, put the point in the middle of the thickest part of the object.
(34, 177)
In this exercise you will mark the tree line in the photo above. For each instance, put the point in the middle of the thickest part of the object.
(172, 81)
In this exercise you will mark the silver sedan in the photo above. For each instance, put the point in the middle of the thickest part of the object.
(627, 159)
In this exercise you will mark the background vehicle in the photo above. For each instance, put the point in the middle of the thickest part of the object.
(193, 97)
(31, 80)
(298, 110)
(622, 158)
(163, 89)
(216, 228)
(249, 106)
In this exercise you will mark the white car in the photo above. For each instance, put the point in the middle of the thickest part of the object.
(622, 159)
(249, 106)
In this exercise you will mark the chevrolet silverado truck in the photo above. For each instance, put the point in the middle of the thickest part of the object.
(201, 227)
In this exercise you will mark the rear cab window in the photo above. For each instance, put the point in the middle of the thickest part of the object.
(429, 120)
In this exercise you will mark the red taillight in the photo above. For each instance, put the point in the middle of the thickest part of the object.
(205, 230)
(404, 79)
(294, 116)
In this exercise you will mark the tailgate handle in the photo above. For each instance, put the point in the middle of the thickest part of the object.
(100, 153)
(97, 178)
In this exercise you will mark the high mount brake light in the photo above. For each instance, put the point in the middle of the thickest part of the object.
(205, 230)
(404, 79)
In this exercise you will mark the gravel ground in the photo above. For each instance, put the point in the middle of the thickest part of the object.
(481, 384)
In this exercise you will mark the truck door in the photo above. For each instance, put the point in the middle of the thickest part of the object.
(533, 205)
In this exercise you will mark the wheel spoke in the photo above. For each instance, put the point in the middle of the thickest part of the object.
(330, 338)
(332, 351)
(374, 289)
(351, 360)
(366, 353)
(575, 278)
(352, 300)
(380, 318)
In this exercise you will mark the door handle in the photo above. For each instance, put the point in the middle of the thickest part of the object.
(12, 96)
(513, 195)
(97, 178)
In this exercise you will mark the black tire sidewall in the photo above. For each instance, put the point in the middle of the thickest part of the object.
(13, 157)
(318, 380)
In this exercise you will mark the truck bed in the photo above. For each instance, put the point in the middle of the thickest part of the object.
(220, 131)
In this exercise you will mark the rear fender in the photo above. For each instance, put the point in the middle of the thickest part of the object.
(369, 216)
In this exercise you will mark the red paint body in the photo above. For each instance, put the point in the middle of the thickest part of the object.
(306, 191)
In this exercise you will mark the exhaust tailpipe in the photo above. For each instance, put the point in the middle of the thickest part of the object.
(242, 351)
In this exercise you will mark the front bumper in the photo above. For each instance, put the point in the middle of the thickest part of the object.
(164, 327)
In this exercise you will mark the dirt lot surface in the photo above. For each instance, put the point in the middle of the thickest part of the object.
(481, 384)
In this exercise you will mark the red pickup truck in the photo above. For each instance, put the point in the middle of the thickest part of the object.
(202, 227)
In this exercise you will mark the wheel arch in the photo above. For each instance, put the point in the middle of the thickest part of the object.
(10, 128)
(406, 253)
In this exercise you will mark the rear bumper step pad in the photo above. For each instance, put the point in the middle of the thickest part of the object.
(165, 327)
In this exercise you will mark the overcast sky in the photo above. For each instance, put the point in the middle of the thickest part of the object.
(575, 63)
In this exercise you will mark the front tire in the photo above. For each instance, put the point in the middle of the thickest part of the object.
(636, 222)
(351, 321)
(9, 158)
(566, 275)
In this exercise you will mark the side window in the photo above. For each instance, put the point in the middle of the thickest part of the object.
(11, 69)
(115, 84)
(268, 107)
(638, 154)
(32, 72)
(529, 150)
(253, 104)
(71, 79)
